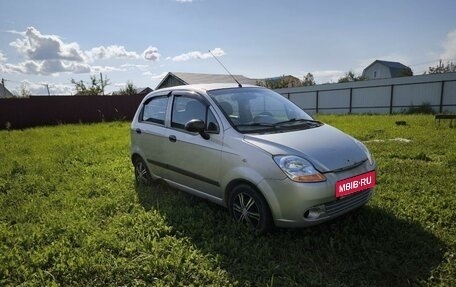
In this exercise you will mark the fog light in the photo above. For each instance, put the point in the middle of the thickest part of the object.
(315, 212)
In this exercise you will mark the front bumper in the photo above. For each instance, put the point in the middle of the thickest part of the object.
(296, 204)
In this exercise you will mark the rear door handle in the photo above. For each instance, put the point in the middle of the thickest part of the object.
(172, 138)
(138, 131)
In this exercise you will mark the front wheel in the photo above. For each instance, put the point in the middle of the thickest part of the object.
(249, 207)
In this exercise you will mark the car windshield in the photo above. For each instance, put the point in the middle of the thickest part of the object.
(253, 110)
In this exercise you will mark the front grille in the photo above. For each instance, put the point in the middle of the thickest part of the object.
(347, 203)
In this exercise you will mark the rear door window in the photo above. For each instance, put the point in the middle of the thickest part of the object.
(154, 110)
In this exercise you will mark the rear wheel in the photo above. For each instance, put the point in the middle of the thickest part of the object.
(247, 206)
(142, 174)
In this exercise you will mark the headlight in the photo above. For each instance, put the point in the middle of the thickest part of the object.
(298, 169)
(366, 151)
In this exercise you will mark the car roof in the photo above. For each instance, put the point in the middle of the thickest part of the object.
(203, 87)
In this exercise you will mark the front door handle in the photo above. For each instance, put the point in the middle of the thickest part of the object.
(138, 131)
(172, 138)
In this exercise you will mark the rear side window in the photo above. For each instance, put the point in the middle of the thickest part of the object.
(154, 110)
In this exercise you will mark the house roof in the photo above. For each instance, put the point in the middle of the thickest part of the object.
(394, 65)
(145, 90)
(138, 91)
(396, 68)
(4, 92)
(197, 78)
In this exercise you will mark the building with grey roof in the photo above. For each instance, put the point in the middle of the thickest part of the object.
(139, 91)
(177, 79)
(386, 69)
(4, 92)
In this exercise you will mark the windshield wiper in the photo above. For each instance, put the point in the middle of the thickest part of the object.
(257, 125)
(295, 120)
(310, 123)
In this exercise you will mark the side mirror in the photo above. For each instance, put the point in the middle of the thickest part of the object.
(197, 126)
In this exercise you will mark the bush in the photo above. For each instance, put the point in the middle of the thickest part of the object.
(424, 108)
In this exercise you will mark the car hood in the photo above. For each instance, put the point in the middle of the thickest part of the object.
(326, 147)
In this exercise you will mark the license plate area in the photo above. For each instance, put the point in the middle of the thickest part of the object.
(355, 184)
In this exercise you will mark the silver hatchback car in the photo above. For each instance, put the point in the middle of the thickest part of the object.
(250, 149)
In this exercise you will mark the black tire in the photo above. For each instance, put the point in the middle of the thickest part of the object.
(142, 174)
(249, 207)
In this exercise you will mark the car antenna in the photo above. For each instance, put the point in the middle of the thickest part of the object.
(239, 84)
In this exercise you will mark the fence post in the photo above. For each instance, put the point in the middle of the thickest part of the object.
(351, 99)
(316, 105)
(391, 99)
(442, 89)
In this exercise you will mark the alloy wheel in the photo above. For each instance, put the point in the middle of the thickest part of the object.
(246, 210)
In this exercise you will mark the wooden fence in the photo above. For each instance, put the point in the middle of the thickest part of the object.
(18, 113)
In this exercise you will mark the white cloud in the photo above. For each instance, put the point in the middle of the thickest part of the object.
(9, 68)
(119, 85)
(326, 76)
(47, 67)
(78, 68)
(159, 76)
(46, 55)
(36, 46)
(60, 89)
(218, 52)
(113, 51)
(50, 55)
(105, 69)
(27, 67)
(16, 32)
(151, 54)
(139, 67)
(41, 89)
(2, 57)
(449, 46)
(184, 1)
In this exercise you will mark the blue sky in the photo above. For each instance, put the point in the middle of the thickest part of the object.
(54, 41)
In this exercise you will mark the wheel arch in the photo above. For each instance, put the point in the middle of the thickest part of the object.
(268, 223)
(235, 182)
(135, 156)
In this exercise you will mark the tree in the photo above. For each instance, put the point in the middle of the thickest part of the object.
(280, 82)
(407, 72)
(308, 80)
(97, 86)
(441, 68)
(25, 92)
(351, 77)
(129, 89)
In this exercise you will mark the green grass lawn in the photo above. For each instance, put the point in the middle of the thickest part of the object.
(70, 215)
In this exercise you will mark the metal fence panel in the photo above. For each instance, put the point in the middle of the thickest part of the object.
(417, 94)
(371, 97)
(306, 101)
(334, 101)
(449, 93)
(380, 96)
